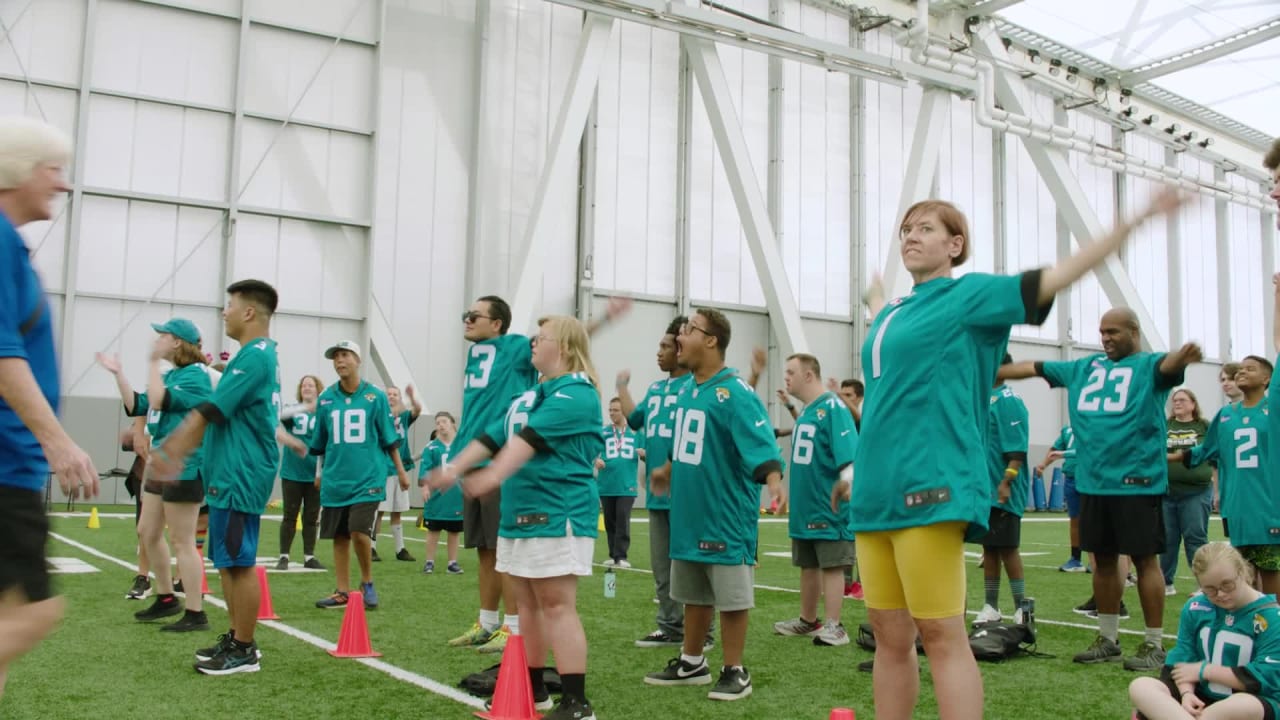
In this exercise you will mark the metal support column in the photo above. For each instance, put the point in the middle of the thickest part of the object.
(233, 162)
(858, 260)
(684, 123)
(1222, 243)
(1177, 303)
(478, 178)
(565, 139)
(1269, 270)
(586, 245)
(917, 181)
(784, 316)
(1067, 193)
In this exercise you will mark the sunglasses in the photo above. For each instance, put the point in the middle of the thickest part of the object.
(472, 316)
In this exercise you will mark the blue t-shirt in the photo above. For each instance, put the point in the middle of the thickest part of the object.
(26, 331)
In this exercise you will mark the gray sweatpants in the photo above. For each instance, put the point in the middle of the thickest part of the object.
(670, 616)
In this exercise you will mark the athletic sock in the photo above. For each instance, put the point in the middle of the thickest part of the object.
(575, 686)
(513, 623)
(308, 558)
(537, 678)
(1109, 626)
(397, 532)
(1019, 588)
(284, 556)
(1075, 553)
(991, 586)
(1155, 636)
(489, 620)
(694, 660)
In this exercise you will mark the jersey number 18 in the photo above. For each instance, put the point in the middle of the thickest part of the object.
(691, 426)
(347, 427)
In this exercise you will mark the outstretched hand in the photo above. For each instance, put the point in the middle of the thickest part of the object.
(1190, 353)
(1165, 202)
(111, 363)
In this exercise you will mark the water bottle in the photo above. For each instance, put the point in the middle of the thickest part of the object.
(610, 584)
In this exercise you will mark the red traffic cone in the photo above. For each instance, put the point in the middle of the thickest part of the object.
(513, 695)
(353, 640)
(204, 576)
(265, 611)
(842, 714)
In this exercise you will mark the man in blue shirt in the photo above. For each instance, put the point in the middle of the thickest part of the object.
(32, 442)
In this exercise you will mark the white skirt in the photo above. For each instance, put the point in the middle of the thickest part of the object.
(397, 499)
(546, 557)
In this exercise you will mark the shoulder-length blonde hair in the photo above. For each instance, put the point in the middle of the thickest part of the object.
(574, 344)
(187, 354)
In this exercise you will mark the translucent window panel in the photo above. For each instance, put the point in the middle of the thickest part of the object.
(44, 41)
(1250, 287)
(307, 169)
(966, 177)
(815, 183)
(1197, 223)
(636, 152)
(157, 149)
(168, 53)
(282, 64)
(1031, 220)
(52, 105)
(1087, 299)
(355, 19)
(47, 243)
(316, 267)
(301, 342)
(1146, 255)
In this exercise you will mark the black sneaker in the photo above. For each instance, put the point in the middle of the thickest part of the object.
(403, 554)
(178, 589)
(571, 708)
(234, 659)
(658, 638)
(709, 643)
(312, 564)
(162, 607)
(375, 557)
(141, 588)
(1124, 612)
(223, 642)
(734, 684)
(283, 563)
(679, 672)
(1086, 607)
(453, 568)
(189, 622)
(867, 666)
(540, 703)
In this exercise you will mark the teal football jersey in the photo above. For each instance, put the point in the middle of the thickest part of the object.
(556, 488)
(1066, 444)
(1117, 409)
(722, 449)
(498, 370)
(656, 414)
(240, 453)
(302, 469)
(1008, 433)
(1239, 442)
(930, 359)
(402, 423)
(1247, 639)
(354, 433)
(443, 504)
(621, 471)
(823, 442)
(184, 389)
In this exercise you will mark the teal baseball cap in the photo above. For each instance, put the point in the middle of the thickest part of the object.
(181, 328)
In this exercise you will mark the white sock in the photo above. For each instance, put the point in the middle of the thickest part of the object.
(1155, 636)
(283, 556)
(489, 620)
(694, 660)
(397, 532)
(1109, 626)
(308, 558)
(513, 623)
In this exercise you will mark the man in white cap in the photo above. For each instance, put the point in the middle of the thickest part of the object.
(355, 433)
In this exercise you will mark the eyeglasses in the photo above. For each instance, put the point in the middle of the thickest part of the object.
(472, 316)
(1226, 588)
(688, 328)
(540, 338)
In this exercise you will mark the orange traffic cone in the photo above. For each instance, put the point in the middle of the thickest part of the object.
(842, 714)
(353, 640)
(513, 695)
(265, 611)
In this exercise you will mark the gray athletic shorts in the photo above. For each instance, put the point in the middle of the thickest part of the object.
(822, 554)
(725, 587)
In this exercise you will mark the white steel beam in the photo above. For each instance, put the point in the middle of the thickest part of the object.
(561, 151)
(1205, 53)
(917, 181)
(762, 240)
(1072, 203)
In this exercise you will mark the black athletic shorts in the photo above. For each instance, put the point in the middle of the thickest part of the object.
(480, 521)
(183, 491)
(445, 526)
(1004, 530)
(342, 521)
(24, 531)
(1130, 525)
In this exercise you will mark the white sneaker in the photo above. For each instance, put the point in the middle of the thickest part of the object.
(988, 614)
(623, 564)
(608, 563)
(1170, 590)
(831, 634)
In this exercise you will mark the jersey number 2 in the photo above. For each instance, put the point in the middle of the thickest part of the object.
(1106, 390)
(1246, 448)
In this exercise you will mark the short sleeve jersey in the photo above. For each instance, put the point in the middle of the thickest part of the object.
(184, 389)
(303, 469)
(1117, 408)
(1008, 434)
(621, 469)
(1066, 444)
(26, 332)
(446, 504)
(1246, 640)
(1239, 441)
(556, 488)
(402, 422)
(722, 448)
(498, 369)
(240, 453)
(353, 433)
(931, 358)
(823, 442)
(656, 416)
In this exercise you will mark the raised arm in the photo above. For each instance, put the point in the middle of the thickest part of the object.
(1092, 253)
(759, 359)
(616, 308)
(1175, 363)
(415, 403)
(874, 297)
(1017, 371)
(621, 385)
(111, 364)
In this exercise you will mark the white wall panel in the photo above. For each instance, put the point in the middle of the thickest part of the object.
(301, 345)
(359, 17)
(151, 50)
(720, 265)
(1250, 290)
(966, 173)
(1031, 230)
(316, 267)
(53, 105)
(47, 243)
(325, 172)
(1197, 223)
(1087, 300)
(635, 174)
(157, 149)
(1146, 256)
(45, 41)
(285, 62)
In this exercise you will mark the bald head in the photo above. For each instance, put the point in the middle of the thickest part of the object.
(1122, 316)
(1120, 332)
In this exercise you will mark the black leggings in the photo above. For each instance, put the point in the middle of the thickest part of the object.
(617, 524)
(300, 495)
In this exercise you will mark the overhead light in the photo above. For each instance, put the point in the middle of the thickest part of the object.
(1033, 56)
(1191, 135)
(1173, 129)
(1151, 119)
(1205, 143)
(1055, 71)
(1127, 112)
(1071, 78)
